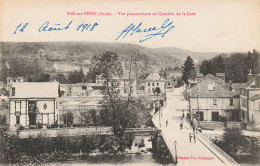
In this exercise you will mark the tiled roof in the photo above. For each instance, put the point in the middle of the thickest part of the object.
(221, 91)
(36, 90)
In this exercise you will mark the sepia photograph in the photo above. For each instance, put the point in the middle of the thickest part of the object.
(130, 82)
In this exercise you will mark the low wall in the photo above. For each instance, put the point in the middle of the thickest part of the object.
(62, 131)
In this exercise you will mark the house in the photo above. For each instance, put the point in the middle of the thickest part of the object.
(249, 98)
(212, 98)
(254, 112)
(119, 85)
(84, 89)
(170, 85)
(10, 80)
(154, 81)
(34, 103)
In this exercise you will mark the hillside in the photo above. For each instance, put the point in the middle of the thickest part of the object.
(67, 56)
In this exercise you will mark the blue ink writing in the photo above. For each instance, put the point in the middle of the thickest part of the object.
(57, 27)
(85, 27)
(22, 27)
(155, 31)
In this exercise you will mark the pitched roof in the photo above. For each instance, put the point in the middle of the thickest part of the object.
(155, 76)
(222, 90)
(248, 84)
(36, 90)
(236, 86)
(255, 97)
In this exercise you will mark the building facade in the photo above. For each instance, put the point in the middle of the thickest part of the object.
(155, 81)
(212, 99)
(33, 103)
(248, 98)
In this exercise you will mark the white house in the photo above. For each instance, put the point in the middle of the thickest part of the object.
(153, 81)
(248, 98)
(212, 98)
(34, 103)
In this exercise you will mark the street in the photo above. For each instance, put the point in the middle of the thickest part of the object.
(187, 152)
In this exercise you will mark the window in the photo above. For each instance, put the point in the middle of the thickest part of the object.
(13, 91)
(17, 107)
(157, 83)
(148, 83)
(214, 101)
(56, 104)
(84, 87)
(17, 119)
(243, 102)
(231, 101)
(210, 87)
(153, 83)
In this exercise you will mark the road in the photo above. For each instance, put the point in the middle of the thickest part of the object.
(187, 152)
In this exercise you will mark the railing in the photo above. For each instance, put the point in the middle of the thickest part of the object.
(224, 154)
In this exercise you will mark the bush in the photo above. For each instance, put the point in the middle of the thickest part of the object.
(234, 142)
(68, 119)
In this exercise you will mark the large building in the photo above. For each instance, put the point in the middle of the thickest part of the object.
(154, 81)
(249, 99)
(34, 103)
(212, 98)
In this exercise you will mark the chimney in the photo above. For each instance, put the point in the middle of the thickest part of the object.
(199, 77)
(221, 76)
(250, 75)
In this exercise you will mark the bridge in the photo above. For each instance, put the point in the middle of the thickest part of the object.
(141, 131)
(184, 152)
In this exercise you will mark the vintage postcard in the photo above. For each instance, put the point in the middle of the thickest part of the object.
(172, 82)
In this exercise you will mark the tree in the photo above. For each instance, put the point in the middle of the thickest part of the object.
(207, 67)
(68, 119)
(157, 90)
(219, 65)
(188, 70)
(81, 75)
(42, 78)
(109, 65)
(233, 141)
(74, 77)
(61, 78)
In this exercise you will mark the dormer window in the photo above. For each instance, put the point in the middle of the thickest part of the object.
(210, 87)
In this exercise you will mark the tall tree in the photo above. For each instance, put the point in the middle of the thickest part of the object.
(219, 65)
(188, 70)
(109, 65)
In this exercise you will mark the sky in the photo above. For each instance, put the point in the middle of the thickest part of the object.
(217, 26)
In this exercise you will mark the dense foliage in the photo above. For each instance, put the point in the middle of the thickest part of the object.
(233, 142)
(236, 66)
(44, 150)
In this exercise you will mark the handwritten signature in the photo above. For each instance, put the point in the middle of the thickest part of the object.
(155, 31)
